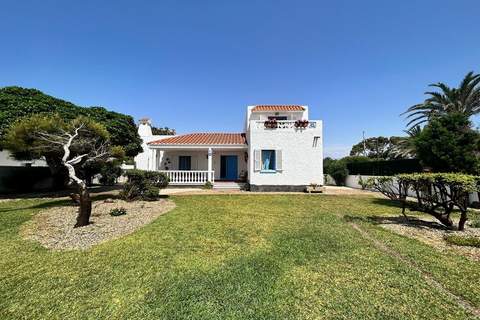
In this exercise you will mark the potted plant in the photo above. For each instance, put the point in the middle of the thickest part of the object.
(272, 123)
(301, 123)
(315, 188)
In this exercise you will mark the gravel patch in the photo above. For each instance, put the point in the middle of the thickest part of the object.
(53, 227)
(432, 233)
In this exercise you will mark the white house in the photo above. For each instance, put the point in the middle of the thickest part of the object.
(280, 149)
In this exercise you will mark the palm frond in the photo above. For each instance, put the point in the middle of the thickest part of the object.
(464, 99)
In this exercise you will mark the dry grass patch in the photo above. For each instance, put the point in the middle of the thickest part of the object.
(53, 227)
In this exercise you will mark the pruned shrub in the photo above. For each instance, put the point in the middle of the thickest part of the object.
(389, 187)
(157, 179)
(151, 193)
(143, 185)
(363, 183)
(437, 194)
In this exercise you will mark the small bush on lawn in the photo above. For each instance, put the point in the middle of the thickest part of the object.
(208, 185)
(118, 212)
(144, 185)
(463, 241)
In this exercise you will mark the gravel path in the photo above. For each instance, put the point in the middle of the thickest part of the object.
(428, 231)
(53, 227)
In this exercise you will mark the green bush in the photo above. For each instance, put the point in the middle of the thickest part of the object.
(143, 185)
(449, 143)
(151, 193)
(363, 183)
(337, 169)
(208, 185)
(130, 191)
(437, 194)
(462, 241)
(118, 212)
(109, 173)
(157, 179)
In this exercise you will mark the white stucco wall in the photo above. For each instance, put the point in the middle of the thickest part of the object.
(143, 159)
(302, 163)
(8, 161)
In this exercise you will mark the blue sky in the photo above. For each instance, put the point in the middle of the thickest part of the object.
(195, 65)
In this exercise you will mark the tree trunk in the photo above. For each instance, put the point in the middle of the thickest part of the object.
(445, 220)
(85, 209)
(463, 219)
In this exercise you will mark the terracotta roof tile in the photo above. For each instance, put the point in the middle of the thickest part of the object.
(277, 108)
(204, 139)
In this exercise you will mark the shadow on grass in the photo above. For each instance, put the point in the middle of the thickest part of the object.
(59, 193)
(409, 221)
(41, 205)
(245, 286)
(387, 202)
(11, 206)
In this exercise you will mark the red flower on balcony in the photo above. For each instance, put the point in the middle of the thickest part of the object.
(301, 123)
(271, 124)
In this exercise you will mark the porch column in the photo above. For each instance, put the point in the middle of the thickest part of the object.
(209, 173)
(153, 159)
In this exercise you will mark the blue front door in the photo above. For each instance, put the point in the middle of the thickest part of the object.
(229, 167)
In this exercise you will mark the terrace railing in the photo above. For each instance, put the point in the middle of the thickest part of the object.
(188, 177)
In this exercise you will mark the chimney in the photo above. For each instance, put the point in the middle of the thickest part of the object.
(145, 121)
(145, 127)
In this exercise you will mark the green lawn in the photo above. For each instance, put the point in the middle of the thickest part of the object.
(235, 257)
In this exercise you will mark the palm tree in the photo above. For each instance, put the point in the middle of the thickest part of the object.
(464, 99)
(406, 145)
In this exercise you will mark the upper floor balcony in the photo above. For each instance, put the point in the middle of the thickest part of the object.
(293, 125)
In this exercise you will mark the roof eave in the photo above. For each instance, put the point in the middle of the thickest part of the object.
(197, 146)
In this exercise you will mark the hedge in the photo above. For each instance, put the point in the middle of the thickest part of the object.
(25, 179)
(143, 185)
(384, 167)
